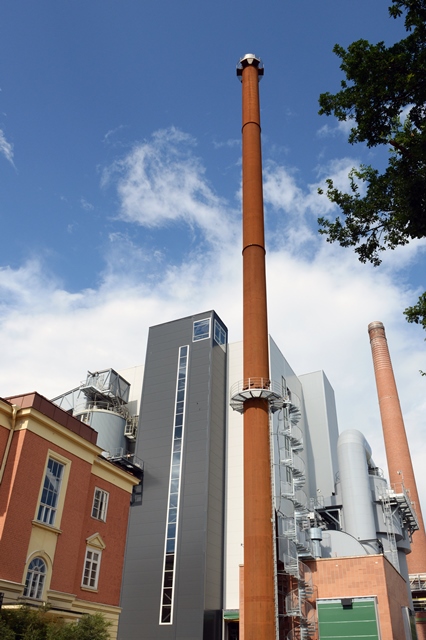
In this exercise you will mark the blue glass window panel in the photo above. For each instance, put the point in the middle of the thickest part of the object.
(219, 333)
(175, 471)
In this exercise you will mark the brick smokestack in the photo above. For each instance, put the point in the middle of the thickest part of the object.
(259, 588)
(397, 451)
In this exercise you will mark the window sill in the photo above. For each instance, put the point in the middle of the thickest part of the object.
(89, 589)
(32, 602)
(98, 519)
(47, 527)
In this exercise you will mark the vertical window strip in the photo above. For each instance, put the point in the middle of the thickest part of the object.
(166, 607)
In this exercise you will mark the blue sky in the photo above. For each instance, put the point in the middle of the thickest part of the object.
(120, 191)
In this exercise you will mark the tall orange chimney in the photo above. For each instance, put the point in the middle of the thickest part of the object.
(397, 450)
(259, 588)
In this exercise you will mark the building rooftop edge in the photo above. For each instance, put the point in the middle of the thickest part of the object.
(35, 400)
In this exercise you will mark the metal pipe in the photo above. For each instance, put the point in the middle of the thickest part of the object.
(353, 452)
(397, 451)
(259, 588)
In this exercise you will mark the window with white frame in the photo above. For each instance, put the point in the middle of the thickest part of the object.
(50, 493)
(220, 334)
(34, 581)
(92, 563)
(201, 330)
(100, 504)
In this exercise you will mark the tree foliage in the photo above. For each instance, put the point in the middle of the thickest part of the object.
(25, 623)
(384, 98)
(417, 313)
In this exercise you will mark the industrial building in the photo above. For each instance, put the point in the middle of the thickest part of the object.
(252, 517)
(255, 519)
(342, 532)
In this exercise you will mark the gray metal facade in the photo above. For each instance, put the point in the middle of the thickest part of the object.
(198, 557)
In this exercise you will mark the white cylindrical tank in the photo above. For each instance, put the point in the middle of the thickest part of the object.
(110, 428)
(353, 452)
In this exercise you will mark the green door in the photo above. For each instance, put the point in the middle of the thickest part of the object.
(349, 618)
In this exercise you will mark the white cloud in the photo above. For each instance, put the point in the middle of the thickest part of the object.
(343, 127)
(320, 299)
(6, 148)
(161, 182)
(87, 206)
(282, 191)
(232, 142)
(109, 134)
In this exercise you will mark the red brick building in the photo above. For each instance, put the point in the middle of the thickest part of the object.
(63, 512)
(354, 580)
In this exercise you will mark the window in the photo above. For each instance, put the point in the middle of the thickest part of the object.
(136, 499)
(201, 330)
(166, 605)
(219, 334)
(50, 494)
(34, 581)
(100, 504)
(287, 448)
(92, 563)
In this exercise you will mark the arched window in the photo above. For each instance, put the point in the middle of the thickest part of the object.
(34, 582)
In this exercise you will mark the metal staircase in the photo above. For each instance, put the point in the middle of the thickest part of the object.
(293, 537)
(390, 530)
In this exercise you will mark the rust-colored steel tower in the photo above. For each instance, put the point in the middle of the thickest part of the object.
(259, 588)
(397, 451)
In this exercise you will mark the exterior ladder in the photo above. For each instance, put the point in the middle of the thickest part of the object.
(388, 518)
